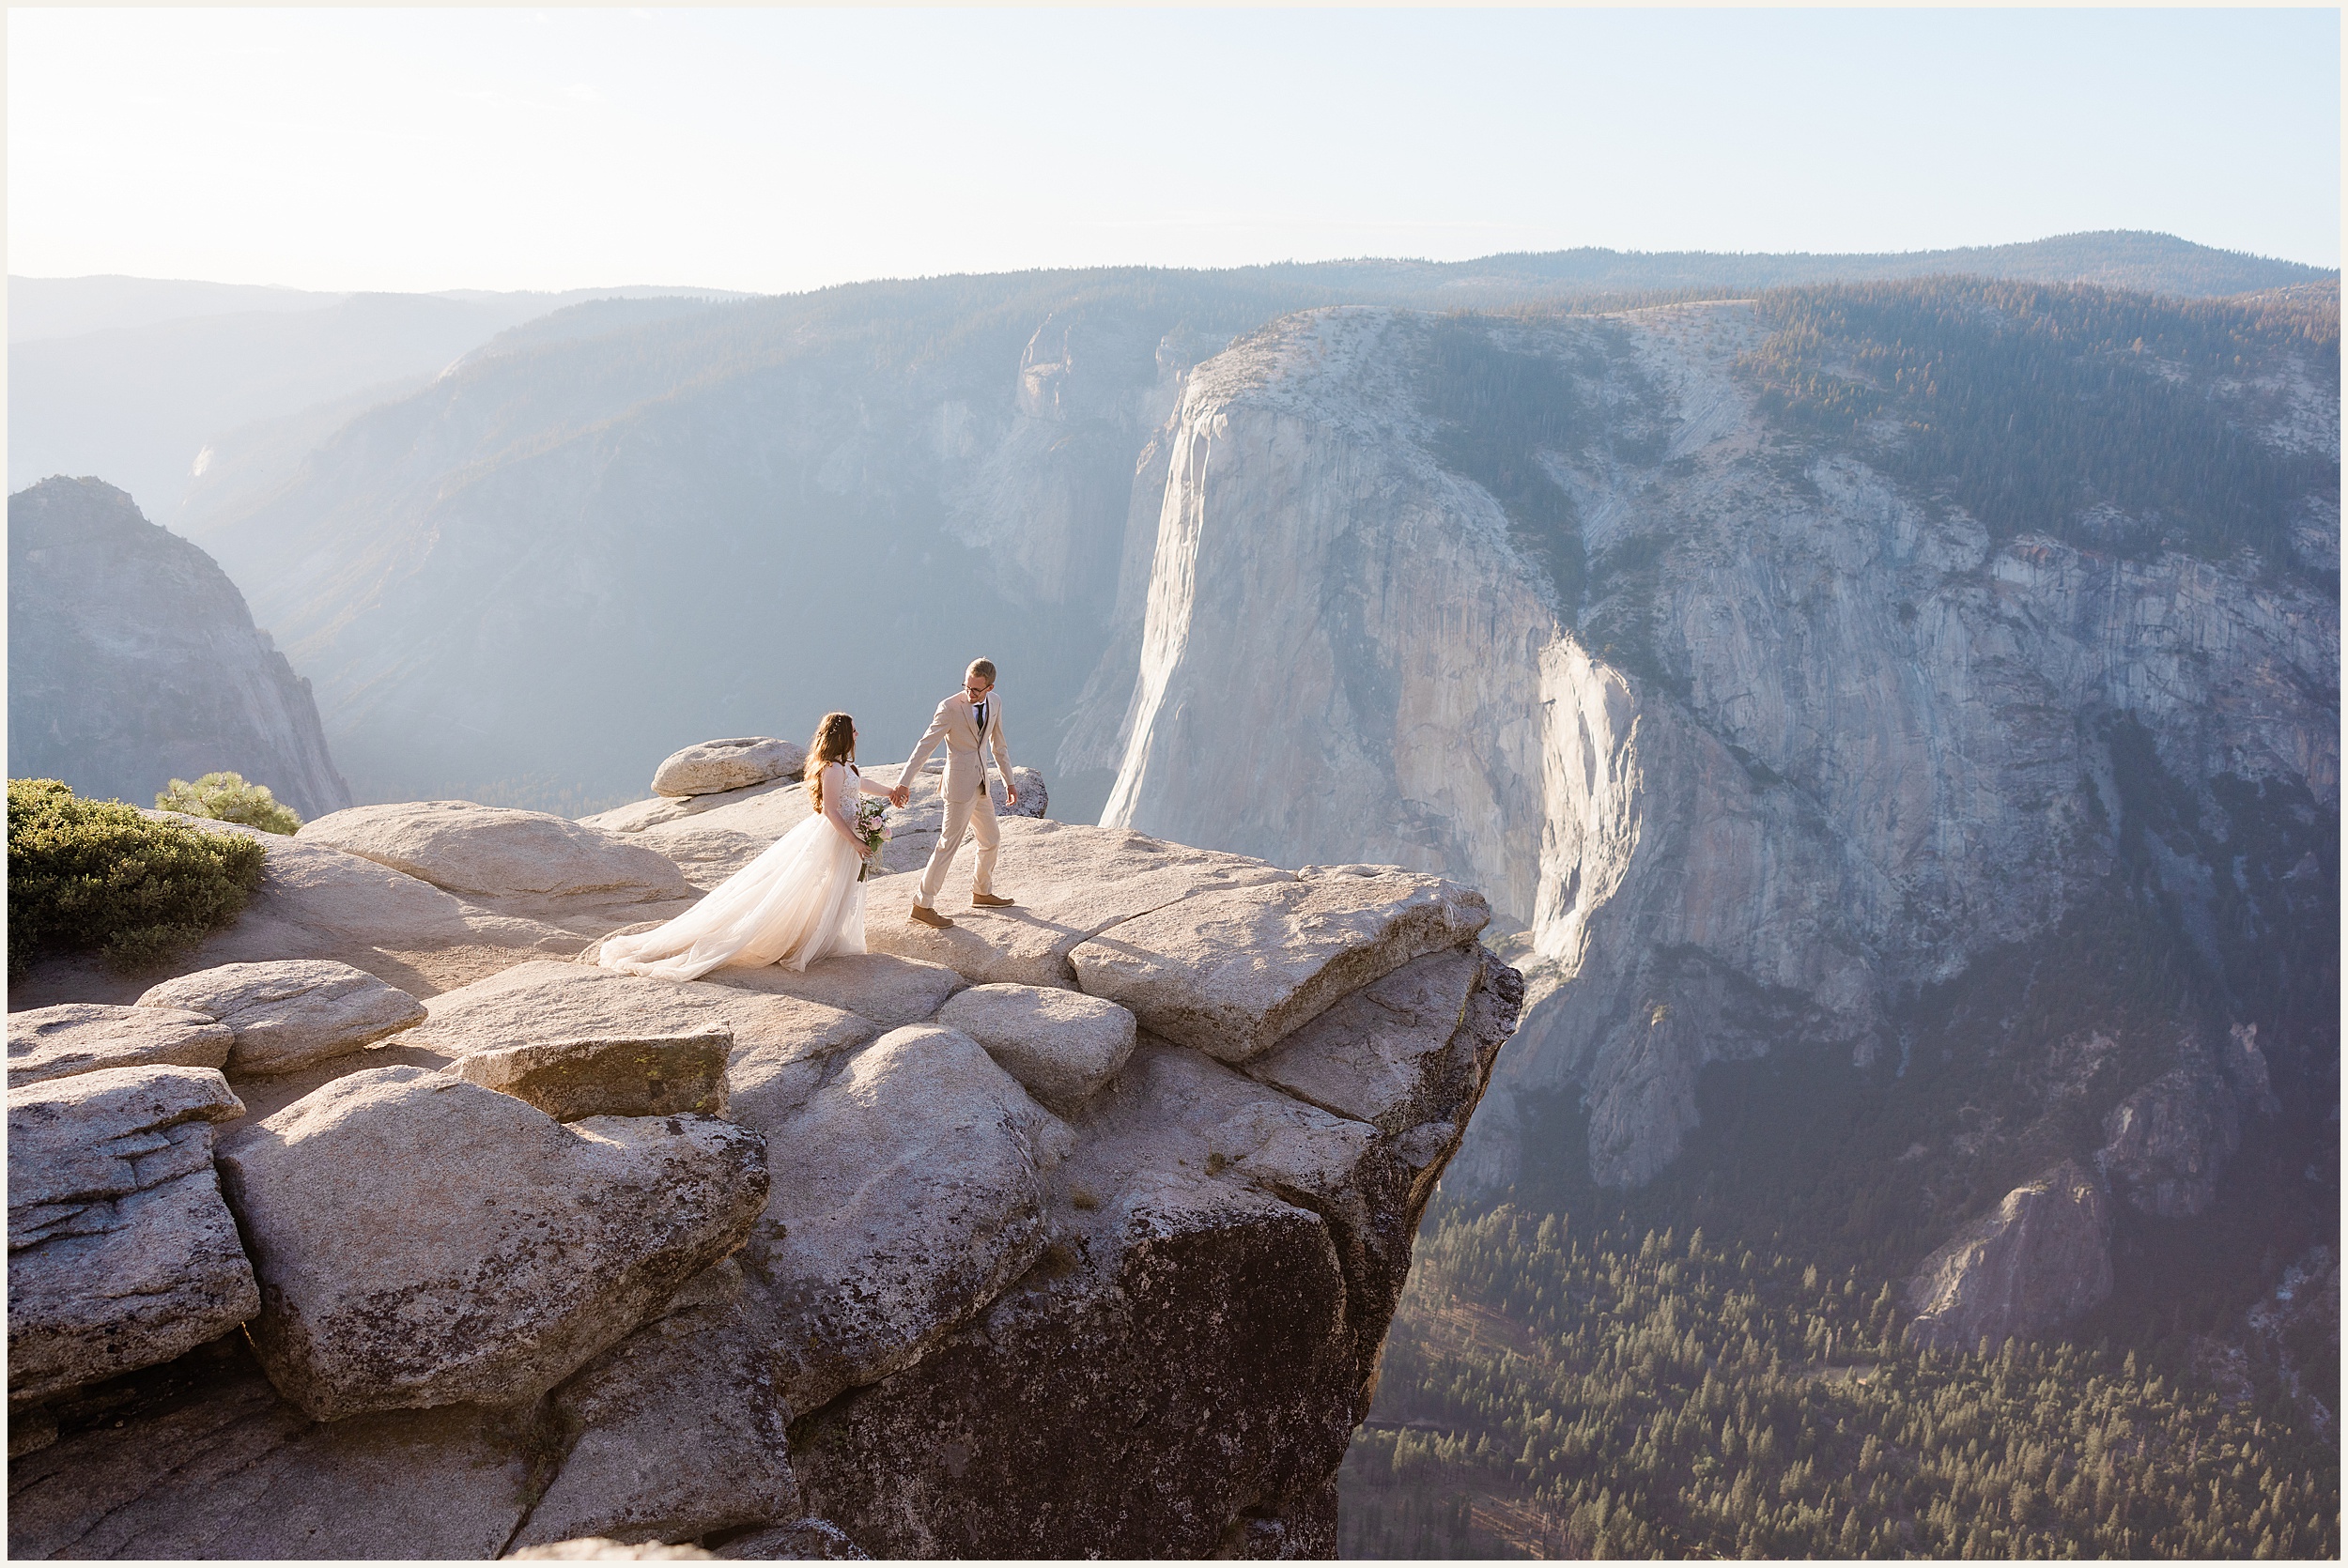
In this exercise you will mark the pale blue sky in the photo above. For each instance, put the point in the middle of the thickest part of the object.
(783, 150)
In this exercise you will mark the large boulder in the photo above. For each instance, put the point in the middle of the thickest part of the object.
(120, 1251)
(624, 1075)
(781, 1043)
(1072, 883)
(1061, 1045)
(87, 1036)
(714, 767)
(1231, 972)
(887, 988)
(681, 1433)
(1390, 1054)
(292, 1013)
(2040, 1258)
(521, 862)
(549, 999)
(906, 1194)
(421, 1240)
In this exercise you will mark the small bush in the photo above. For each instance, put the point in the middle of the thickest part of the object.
(225, 797)
(96, 874)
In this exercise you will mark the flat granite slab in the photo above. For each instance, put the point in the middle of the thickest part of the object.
(1071, 882)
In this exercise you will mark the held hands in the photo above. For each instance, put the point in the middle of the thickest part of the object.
(898, 795)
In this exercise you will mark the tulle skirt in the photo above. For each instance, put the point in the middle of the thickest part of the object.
(798, 902)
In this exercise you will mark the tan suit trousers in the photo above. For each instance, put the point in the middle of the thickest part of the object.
(974, 814)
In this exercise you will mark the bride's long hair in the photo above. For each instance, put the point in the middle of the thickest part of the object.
(834, 742)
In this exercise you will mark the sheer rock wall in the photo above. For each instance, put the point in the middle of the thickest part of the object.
(134, 660)
(1805, 743)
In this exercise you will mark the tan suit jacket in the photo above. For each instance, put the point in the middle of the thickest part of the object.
(956, 724)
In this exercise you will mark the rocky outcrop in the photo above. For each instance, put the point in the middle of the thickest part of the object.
(133, 659)
(2166, 1145)
(627, 1075)
(1070, 885)
(120, 1252)
(719, 767)
(2039, 1259)
(1063, 1046)
(522, 863)
(682, 1432)
(908, 1194)
(421, 1240)
(292, 1014)
(87, 1036)
(481, 1329)
(1235, 974)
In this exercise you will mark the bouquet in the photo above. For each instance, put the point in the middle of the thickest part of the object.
(871, 831)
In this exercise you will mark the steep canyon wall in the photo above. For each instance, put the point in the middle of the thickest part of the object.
(1784, 743)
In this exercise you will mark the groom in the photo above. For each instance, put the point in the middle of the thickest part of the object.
(968, 722)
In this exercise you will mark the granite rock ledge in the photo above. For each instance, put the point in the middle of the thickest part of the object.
(885, 1333)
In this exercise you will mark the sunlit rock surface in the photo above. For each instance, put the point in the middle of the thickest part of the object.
(938, 1286)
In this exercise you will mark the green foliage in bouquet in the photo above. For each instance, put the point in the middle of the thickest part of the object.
(96, 874)
(225, 797)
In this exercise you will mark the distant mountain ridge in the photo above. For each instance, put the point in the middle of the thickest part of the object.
(150, 372)
(977, 432)
(2113, 258)
(43, 308)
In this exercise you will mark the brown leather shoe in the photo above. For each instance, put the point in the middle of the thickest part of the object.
(931, 918)
(988, 900)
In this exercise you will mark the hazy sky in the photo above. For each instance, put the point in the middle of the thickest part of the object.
(783, 149)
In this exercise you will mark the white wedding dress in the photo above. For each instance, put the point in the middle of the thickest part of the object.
(798, 902)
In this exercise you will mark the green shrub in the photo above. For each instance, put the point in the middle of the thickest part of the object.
(225, 797)
(97, 874)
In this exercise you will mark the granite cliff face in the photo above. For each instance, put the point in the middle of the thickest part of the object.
(1074, 1230)
(133, 660)
(581, 540)
(1783, 745)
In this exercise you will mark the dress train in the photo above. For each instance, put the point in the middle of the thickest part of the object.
(798, 902)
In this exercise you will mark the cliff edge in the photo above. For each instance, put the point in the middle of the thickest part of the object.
(1074, 1230)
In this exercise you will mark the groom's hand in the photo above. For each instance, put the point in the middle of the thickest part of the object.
(1011, 792)
(899, 795)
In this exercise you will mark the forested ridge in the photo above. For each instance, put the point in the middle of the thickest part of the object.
(1553, 1388)
(2045, 408)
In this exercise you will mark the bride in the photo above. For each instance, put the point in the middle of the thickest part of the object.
(798, 902)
